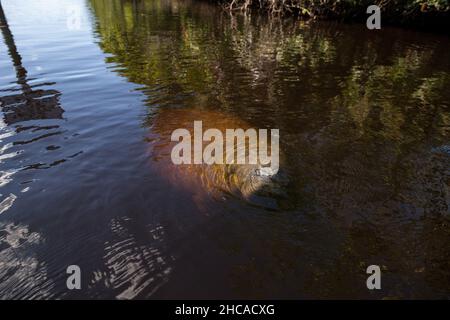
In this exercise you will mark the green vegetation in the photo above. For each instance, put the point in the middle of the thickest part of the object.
(278, 62)
(426, 14)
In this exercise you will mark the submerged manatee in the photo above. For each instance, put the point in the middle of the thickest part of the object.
(253, 182)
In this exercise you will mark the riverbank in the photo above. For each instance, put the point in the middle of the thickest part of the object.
(429, 15)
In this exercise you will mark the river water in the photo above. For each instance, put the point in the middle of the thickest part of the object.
(90, 91)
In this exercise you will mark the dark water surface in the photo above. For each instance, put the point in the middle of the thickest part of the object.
(89, 93)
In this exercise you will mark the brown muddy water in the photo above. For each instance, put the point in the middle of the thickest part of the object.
(90, 91)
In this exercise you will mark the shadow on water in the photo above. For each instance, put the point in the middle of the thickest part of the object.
(30, 104)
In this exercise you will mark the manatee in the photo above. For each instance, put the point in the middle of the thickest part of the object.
(254, 183)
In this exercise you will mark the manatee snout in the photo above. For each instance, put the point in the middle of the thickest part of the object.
(257, 184)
